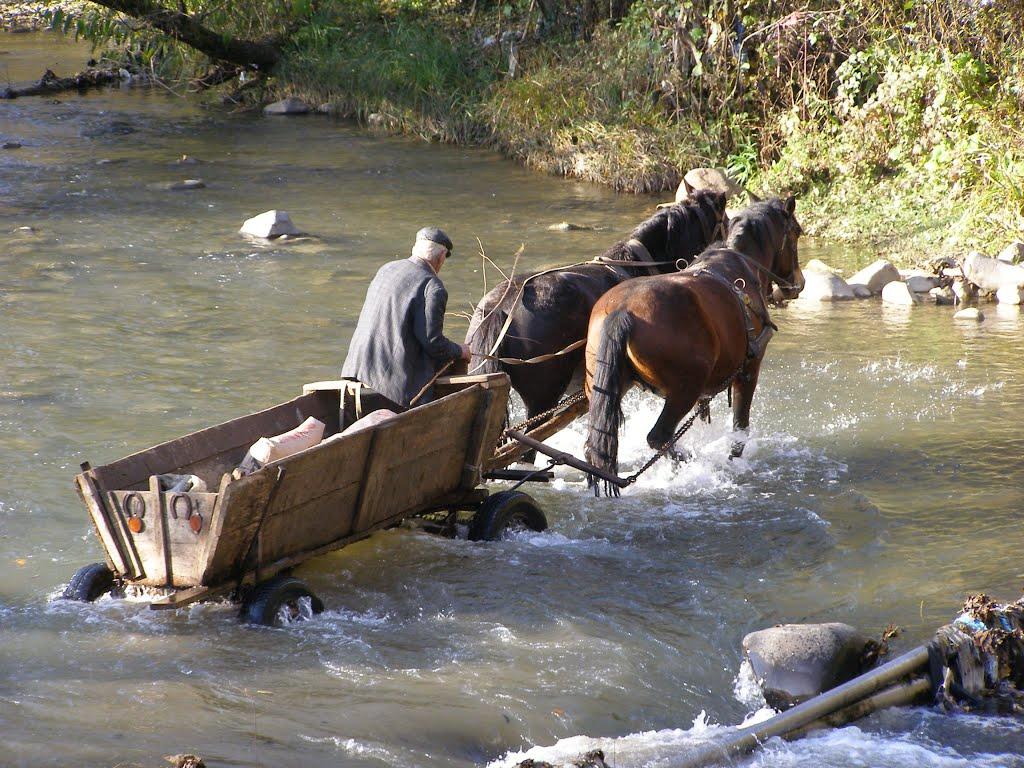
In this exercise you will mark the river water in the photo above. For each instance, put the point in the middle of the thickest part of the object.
(883, 482)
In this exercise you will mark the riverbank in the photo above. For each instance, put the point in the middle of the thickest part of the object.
(892, 132)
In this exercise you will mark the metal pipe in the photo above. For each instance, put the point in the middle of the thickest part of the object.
(744, 740)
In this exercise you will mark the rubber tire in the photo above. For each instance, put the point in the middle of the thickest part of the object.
(267, 598)
(89, 583)
(502, 509)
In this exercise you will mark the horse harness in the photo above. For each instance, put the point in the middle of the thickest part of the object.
(756, 342)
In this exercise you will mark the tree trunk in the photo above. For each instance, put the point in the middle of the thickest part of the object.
(262, 54)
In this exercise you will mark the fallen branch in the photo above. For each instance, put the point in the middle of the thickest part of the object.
(50, 83)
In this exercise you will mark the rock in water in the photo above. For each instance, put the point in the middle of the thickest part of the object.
(919, 281)
(1010, 294)
(824, 286)
(861, 291)
(875, 275)
(178, 186)
(12, 145)
(942, 296)
(897, 292)
(269, 224)
(1013, 253)
(991, 274)
(817, 265)
(795, 662)
(971, 313)
(289, 106)
(593, 759)
(566, 226)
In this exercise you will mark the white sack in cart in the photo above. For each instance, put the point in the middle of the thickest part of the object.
(306, 435)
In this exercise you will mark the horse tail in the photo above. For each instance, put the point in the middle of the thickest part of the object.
(602, 449)
(483, 336)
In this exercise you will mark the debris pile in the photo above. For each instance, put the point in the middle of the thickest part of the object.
(979, 658)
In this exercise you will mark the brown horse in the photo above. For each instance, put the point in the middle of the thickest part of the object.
(547, 312)
(690, 335)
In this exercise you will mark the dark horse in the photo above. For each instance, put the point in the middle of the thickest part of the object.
(691, 335)
(547, 312)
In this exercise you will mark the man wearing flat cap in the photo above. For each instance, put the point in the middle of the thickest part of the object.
(398, 344)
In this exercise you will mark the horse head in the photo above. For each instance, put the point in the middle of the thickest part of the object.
(767, 232)
(786, 263)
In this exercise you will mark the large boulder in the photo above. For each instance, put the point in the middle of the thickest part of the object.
(898, 293)
(1013, 253)
(991, 274)
(796, 662)
(875, 275)
(269, 224)
(824, 286)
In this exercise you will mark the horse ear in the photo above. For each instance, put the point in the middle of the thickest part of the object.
(720, 201)
(688, 187)
(791, 205)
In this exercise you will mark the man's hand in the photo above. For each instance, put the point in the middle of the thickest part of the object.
(466, 353)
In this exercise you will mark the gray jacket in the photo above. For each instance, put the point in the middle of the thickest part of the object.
(398, 344)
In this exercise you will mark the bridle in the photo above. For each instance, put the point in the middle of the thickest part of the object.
(779, 281)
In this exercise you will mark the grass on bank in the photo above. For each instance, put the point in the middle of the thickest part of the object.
(896, 121)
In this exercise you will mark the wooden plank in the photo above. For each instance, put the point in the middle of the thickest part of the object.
(416, 456)
(475, 446)
(182, 597)
(326, 518)
(209, 445)
(321, 470)
(567, 458)
(511, 453)
(158, 520)
(147, 544)
(186, 547)
(242, 504)
(113, 545)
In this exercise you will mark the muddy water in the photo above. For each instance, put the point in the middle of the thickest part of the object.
(882, 484)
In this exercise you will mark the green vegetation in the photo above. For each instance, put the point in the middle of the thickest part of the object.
(897, 121)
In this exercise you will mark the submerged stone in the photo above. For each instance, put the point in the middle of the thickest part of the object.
(971, 313)
(943, 296)
(919, 281)
(566, 226)
(796, 662)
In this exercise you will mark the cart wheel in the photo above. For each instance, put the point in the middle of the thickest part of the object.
(504, 512)
(89, 583)
(281, 601)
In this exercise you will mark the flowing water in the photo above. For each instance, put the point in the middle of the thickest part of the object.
(883, 482)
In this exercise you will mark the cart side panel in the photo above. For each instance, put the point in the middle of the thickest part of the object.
(315, 502)
(417, 457)
(239, 509)
(211, 452)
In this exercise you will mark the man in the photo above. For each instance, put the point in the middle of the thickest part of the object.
(398, 345)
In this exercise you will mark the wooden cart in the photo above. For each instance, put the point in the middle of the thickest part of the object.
(246, 536)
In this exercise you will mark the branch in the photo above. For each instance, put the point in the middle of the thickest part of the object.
(262, 54)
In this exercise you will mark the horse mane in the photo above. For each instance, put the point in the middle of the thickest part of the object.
(686, 226)
(751, 228)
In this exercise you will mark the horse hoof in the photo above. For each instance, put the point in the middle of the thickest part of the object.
(680, 455)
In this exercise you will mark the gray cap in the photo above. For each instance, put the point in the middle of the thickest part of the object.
(435, 235)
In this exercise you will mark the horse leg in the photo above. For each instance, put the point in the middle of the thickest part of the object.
(677, 405)
(743, 387)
